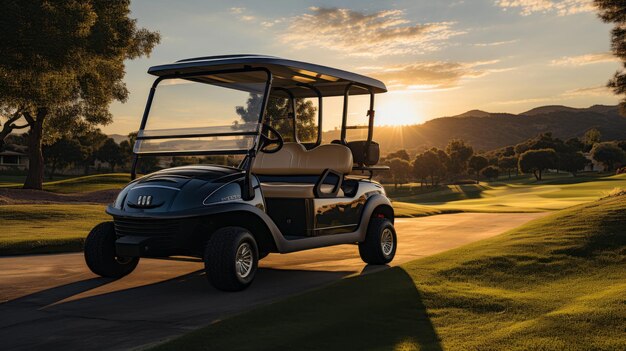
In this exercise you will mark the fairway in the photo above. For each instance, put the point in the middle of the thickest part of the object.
(555, 193)
(77, 184)
(556, 283)
(30, 229)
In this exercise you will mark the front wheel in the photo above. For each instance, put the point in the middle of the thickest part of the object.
(380, 242)
(100, 253)
(231, 258)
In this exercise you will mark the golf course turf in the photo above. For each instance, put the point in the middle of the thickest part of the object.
(555, 283)
(47, 228)
(62, 227)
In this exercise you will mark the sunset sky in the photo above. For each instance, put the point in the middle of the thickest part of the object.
(438, 58)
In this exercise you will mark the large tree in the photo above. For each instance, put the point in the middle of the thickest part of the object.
(280, 116)
(476, 164)
(110, 153)
(572, 162)
(429, 164)
(537, 161)
(63, 153)
(400, 170)
(614, 11)
(62, 65)
(459, 154)
(508, 164)
(609, 154)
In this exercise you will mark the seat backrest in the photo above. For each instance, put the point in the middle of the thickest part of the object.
(294, 159)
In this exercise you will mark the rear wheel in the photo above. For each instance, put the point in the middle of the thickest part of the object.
(231, 258)
(100, 253)
(380, 242)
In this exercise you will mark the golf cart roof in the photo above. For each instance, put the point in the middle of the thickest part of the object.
(287, 74)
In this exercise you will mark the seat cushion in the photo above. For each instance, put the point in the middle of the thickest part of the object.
(294, 190)
(294, 159)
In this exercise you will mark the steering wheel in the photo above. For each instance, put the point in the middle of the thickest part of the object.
(267, 141)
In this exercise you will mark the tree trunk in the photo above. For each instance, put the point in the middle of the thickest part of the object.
(537, 176)
(34, 179)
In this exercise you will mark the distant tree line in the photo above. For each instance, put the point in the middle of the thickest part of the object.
(458, 160)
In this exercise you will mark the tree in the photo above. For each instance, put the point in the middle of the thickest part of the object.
(542, 141)
(111, 153)
(572, 162)
(590, 138)
(126, 150)
(575, 144)
(62, 65)
(614, 11)
(399, 169)
(476, 164)
(279, 113)
(537, 161)
(62, 153)
(508, 163)
(490, 172)
(459, 154)
(402, 153)
(91, 140)
(608, 153)
(428, 164)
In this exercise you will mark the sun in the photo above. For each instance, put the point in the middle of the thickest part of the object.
(398, 109)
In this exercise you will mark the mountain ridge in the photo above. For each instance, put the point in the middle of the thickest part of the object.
(488, 131)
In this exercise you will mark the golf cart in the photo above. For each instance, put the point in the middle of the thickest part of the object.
(288, 192)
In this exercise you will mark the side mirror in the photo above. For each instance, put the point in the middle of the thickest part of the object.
(365, 152)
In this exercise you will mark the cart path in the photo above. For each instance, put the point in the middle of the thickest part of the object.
(53, 302)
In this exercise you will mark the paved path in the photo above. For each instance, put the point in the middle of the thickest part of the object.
(53, 302)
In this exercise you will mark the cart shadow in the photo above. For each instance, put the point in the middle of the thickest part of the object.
(175, 306)
(171, 307)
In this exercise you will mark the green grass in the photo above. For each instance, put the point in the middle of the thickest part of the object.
(408, 210)
(30, 229)
(555, 283)
(80, 184)
(520, 195)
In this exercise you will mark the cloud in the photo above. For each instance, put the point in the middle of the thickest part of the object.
(497, 43)
(595, 91)
(431, 76)
(584, 59)
(239, 12)
(600, 90)
(365, 34)
(560, 7)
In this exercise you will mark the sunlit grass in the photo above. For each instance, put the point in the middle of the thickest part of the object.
(555, 283)
(80, 184)
(523, 195)
(29, 229)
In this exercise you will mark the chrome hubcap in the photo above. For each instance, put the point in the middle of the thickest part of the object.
(386, 241)
(244, 260)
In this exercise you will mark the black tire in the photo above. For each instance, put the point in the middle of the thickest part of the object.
(371, 250)
(224, 268)
(100, 253)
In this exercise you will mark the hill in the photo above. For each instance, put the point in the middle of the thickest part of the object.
(487, 131)
(555, 283)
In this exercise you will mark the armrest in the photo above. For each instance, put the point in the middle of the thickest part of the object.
(317, 190)
(370, 168)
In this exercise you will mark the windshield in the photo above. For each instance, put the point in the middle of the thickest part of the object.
(216, 113)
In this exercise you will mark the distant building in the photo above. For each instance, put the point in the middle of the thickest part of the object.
(13, 160)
